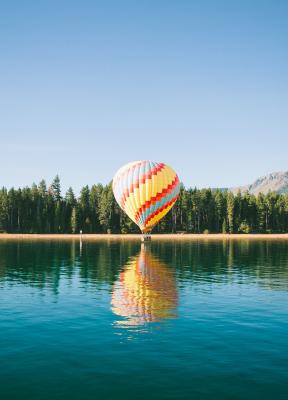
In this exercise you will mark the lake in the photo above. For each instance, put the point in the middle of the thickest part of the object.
(168, 320)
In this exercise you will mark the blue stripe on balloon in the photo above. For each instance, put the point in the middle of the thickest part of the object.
(160, 203)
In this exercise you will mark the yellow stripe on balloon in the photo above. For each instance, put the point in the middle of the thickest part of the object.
(156, 184)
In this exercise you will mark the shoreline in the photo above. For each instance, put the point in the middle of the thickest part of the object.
(168, 236)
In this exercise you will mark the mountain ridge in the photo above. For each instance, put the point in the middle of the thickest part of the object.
(273, 182)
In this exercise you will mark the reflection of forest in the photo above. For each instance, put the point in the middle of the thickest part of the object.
(145, 291)
(44, 264)
(263, 262)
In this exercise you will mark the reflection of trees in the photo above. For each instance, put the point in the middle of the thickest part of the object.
(38, 263)
(100, 261)
(145, 291)
(43, 264)
(264, 262)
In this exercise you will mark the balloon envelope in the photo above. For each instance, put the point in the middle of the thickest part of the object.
(146, 191)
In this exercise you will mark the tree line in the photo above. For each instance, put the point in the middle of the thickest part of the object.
(43, 209)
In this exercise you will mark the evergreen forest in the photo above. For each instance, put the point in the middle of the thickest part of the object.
(44, 209)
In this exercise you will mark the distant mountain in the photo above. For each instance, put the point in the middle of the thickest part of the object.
(275, 182)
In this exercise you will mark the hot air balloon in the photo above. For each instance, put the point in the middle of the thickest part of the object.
(146, 191)
(145, 292)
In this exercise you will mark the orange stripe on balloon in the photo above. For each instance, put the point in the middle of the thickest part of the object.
(156, 198)
(142, 180)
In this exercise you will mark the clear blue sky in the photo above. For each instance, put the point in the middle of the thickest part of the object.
(86, 86)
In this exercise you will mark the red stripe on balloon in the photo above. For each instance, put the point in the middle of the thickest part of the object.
(141, 180)
(126, 171)
(160, 210)
(156, 198)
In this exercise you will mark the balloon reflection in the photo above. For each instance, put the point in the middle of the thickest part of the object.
(145, 291)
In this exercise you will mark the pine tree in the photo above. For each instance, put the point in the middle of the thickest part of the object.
(224, 226)
(219, 210)
(56, 188)
(3, 210)
(73, 220)
(70, 197)
(108, 217)
(230, 211)
(84, 209)
(95, 194)
(261, 213)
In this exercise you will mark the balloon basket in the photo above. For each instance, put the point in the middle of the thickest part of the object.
(145, 237)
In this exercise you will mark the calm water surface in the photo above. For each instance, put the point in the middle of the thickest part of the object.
(112, 320)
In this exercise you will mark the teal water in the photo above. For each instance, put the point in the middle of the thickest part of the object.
(112, 320)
